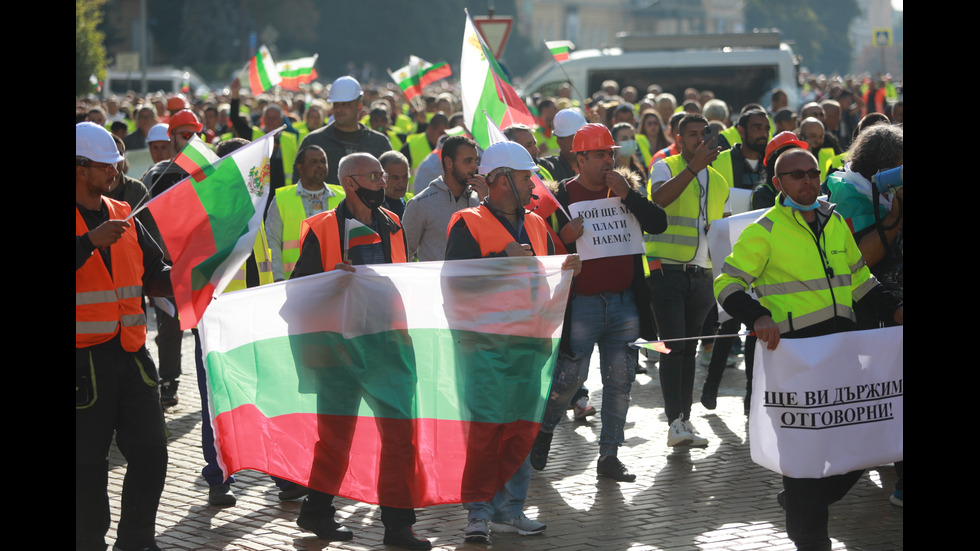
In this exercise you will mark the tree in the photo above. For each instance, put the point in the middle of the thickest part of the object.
(89, 46)
(819, 29)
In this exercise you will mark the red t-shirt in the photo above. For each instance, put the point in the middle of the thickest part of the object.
(601, 275)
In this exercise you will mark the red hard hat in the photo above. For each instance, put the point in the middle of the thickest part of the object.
(183, 117)
(593, 137)
(781, 140)
(177, 103)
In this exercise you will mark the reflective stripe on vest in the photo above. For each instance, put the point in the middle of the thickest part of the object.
(263, 261)
(292, 213)
(680, 242)
(493, 237)
(106, 305)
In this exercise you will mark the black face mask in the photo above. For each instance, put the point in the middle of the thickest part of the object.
(371, 199)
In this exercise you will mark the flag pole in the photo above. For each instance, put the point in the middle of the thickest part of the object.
(570, 83)
(420, 107)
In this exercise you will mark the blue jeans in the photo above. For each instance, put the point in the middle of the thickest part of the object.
(506, 504)
(681, 300)
(612, 321)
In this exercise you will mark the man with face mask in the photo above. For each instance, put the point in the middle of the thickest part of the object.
(799, 241)
(323, 250)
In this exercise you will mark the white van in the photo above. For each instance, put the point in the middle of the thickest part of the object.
(168, 79)
(738, 68)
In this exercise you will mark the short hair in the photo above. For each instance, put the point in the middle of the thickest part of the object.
(301, 157)
(546, 102)
(453, 143)
(688, 119)
(272, 106)
(743, 120)
(439, 119)
(876, 148)
(715, 109)
(812, 120)
(392, 157)
(513, 129)
(228, 146)
(667, 96)
(675, 120)
(119, 125)
(871, 119)
(347, 164)
(783, 115)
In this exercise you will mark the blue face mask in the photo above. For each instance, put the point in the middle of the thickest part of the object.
(789, 202)
(627, 148)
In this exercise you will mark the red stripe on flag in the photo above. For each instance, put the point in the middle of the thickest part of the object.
(467, 461)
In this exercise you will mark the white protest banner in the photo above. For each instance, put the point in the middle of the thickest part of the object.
(828, 405)
(722, 237)
(610, 229)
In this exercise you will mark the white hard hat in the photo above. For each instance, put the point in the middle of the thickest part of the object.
(158, 133)
(506, 154)
(95, 142)
(345, 89)
(568, 121)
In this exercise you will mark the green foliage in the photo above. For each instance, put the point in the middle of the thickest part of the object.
(818, 28)
(89, 46)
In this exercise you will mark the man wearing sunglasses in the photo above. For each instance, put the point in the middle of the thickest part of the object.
(803, 262)
(324, 249)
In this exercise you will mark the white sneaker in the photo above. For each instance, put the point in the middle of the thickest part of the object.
(678, 434)
(520, 524)
(697, 441)
(582, 409)
(477, 531)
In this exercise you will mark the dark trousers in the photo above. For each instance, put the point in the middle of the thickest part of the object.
(116, 393)
(168, 344)
(807, 501)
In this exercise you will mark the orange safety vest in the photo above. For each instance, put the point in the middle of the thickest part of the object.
(106, 305)
(325, 227)
(493, 237)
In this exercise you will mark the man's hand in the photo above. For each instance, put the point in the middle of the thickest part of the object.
(107, 233)
(572, 262)
(479, 185)
(617, 183)
(236, 87)
(766, 331)
(517, 249)
(572, 230)
(345, 266)
(704, 155)
(899, 316)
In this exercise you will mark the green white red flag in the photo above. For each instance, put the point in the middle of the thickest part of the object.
(297, 71)
(262, 72)
(196, 159)
(418, 74)
(209, 226)
(407, 385)
(485, 87)
(560, 49)
(359, 234)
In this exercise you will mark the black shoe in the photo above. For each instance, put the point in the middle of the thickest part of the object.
(540, 449)
(640, 369)
(325, 528)
(612, 467)
(221, 496)
(709, 395)
(295, 492)
(168, 393)
(406, 538)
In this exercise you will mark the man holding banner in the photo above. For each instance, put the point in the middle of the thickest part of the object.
(803, 293)
(610, 304)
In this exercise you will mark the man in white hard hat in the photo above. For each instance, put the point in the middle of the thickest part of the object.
(564, 165)
(158, 140)
(502, 227)
(116, 391)
(346, 134)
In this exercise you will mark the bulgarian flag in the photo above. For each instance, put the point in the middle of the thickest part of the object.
(197, 159)
(545, 203)
(418, 74)
(559, 48)
(209, 225)
(485, 88)
(297, 71)
(262, 72)
(406, 385)
(359, 234)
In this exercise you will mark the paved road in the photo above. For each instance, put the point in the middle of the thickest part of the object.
(711, 499)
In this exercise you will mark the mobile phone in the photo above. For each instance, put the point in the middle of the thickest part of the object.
(709, 134)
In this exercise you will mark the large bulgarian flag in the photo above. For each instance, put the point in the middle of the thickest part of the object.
(262, 72)
(297, 71)
(486, 88)
(406, 385)
(418, 74)
(209, 225)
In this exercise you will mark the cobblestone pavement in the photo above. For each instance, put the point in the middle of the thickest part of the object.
(710, 499)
